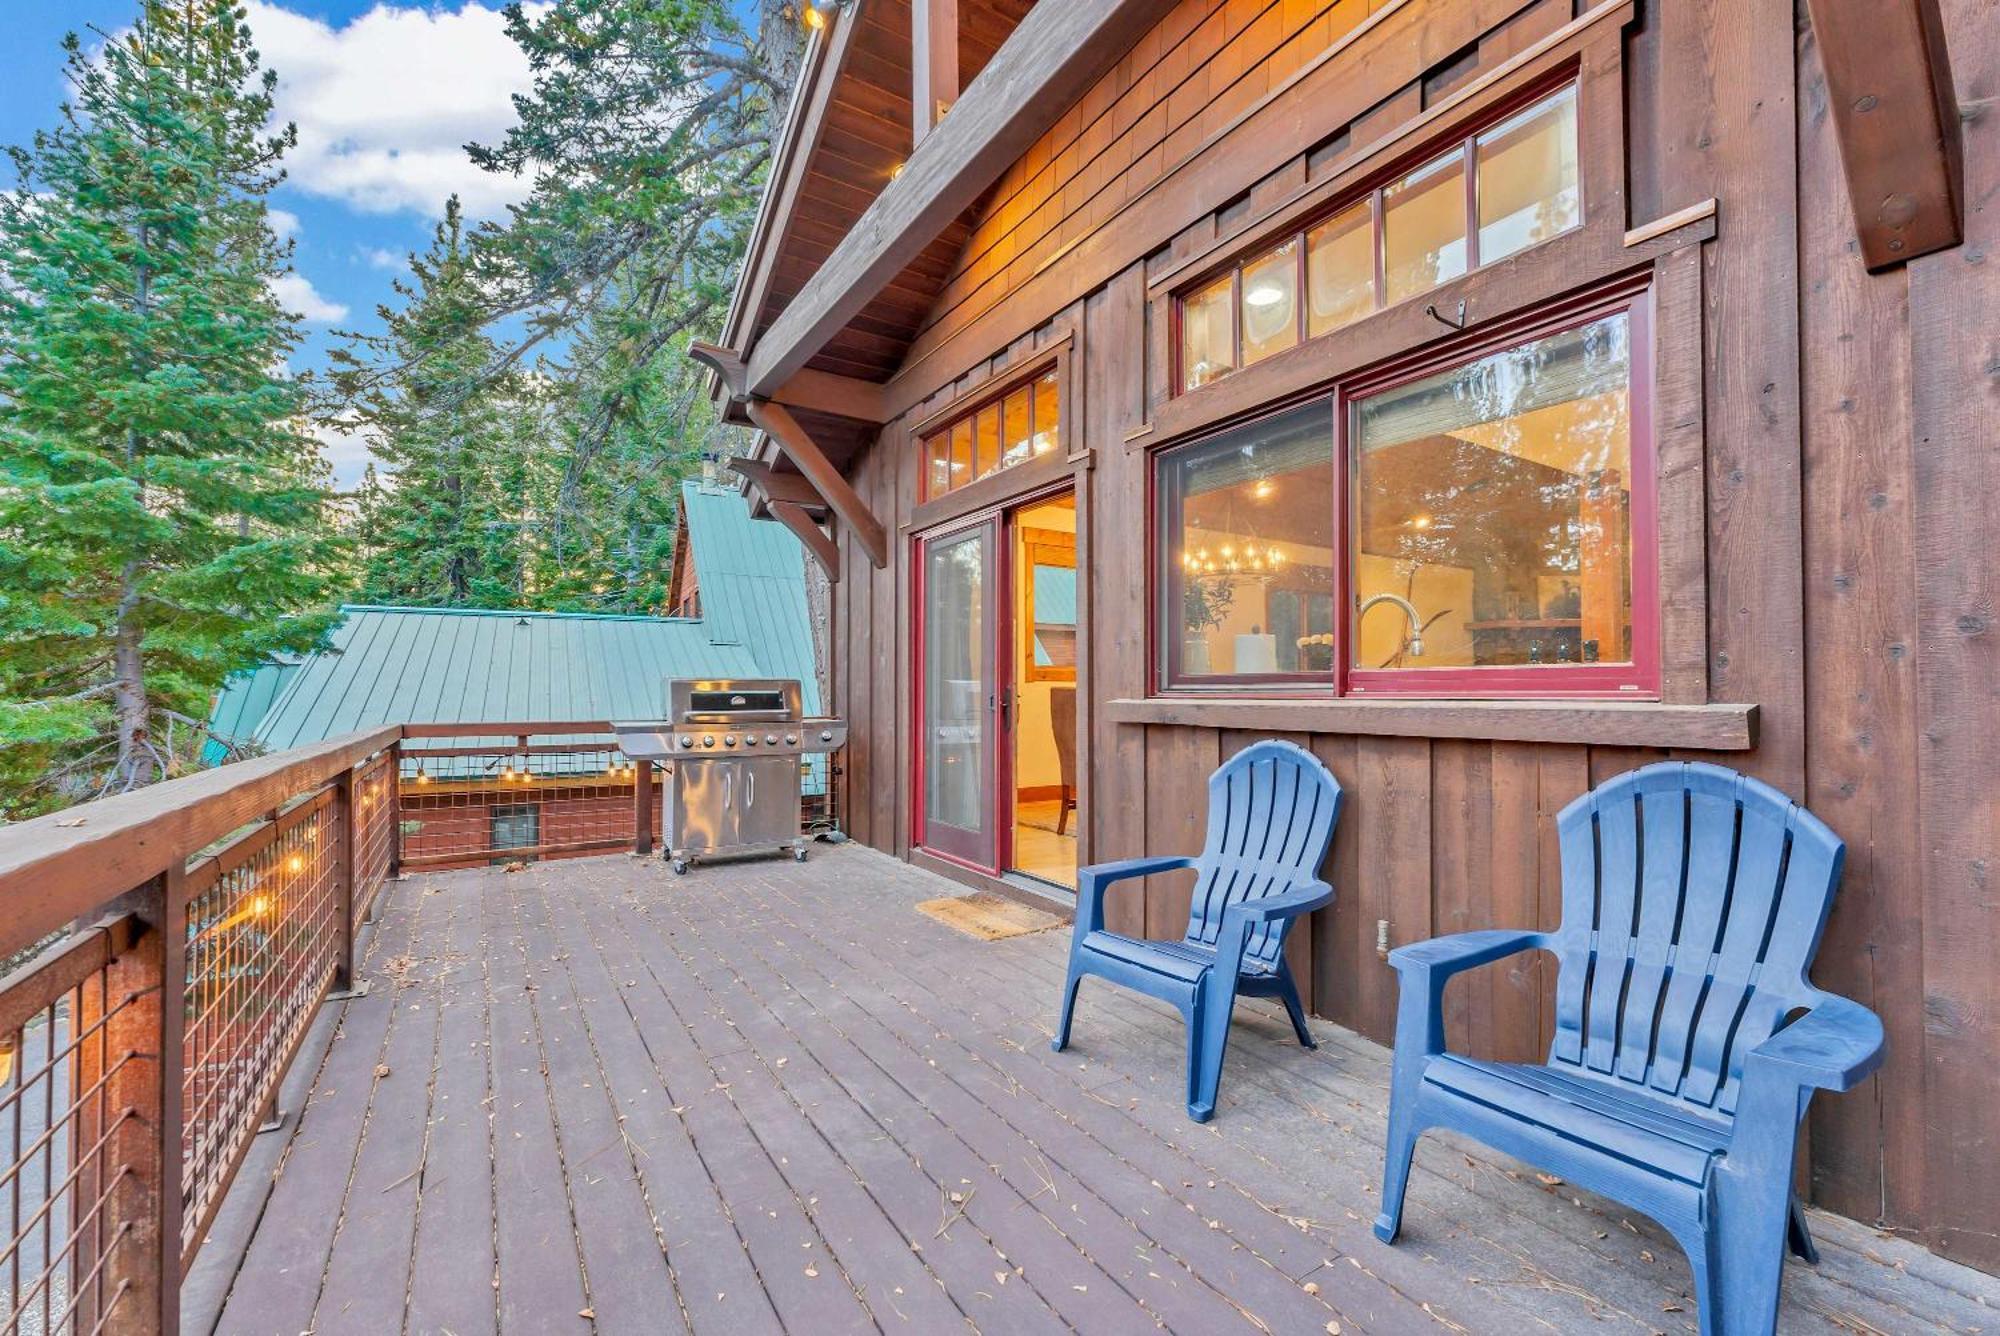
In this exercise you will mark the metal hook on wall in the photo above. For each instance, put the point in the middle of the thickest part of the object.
(1431, 310)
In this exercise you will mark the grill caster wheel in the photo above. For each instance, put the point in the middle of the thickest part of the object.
(680, 867)
(798, 855)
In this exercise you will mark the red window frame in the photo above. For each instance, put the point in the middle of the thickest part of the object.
(1636, 679)
(1462, 143)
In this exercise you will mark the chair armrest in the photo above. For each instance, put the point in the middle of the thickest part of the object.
(1441, 957)
(1300, 899)
(1093, 881)
(1832, 1047)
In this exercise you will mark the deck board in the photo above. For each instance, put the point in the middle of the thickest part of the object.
(743, 1101)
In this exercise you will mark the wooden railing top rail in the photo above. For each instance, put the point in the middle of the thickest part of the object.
(58, 868)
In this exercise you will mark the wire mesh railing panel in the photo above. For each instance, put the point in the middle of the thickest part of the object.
(463, 806)
(63, 1132)
(263, 936)
(375, 820)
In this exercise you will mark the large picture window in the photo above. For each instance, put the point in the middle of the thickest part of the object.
(1487, 196)
(1247, 519)
(1491, 534)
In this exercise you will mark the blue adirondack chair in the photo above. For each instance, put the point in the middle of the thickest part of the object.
(1693, 902)
(1271, 810)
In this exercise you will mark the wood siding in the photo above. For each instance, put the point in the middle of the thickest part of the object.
(1827, 437)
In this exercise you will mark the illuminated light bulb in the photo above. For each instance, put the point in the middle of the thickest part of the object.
(1276, 556)
(295, 864)
(1228, 551)
(813, 18)
(1420, 521)
(1263, 489)
(1263, 295)
(895, 171)
(260, 904)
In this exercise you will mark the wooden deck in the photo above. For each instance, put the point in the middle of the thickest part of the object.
(592, 1096)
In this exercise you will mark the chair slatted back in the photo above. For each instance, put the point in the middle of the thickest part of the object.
(1693, 902)
(1271, 813)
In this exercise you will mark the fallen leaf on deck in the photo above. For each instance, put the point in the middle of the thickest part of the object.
(1311, 1287)
(72, 821)
(381, 1069)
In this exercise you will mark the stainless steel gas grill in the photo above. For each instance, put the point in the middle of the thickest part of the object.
(731, 753)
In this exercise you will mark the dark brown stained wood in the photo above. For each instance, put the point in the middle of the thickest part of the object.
(1461, 847)
(1702, 727)
(1116, 573)
(800, 521)
(1956, 474)
(1178, 764)
(1512, 997)
(776, 486)
(934, 63)
(1861, 629)
(1057, 51)
(1895, 114)
(1341, 947)
(1342, 80)
(725, 363)
(1393, 809)
(857, 596)
(1725, 141)
(65, 871)
(888, 472)
(811, 460)
(1683, 505)
(842, 396)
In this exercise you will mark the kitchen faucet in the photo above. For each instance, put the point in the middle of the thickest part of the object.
(1415, 644)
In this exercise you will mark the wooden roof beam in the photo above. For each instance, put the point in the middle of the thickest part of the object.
(1043, 68)
(1888, 85)
(791, 488)
(815, 391)
(933, 63)
(784, 430)
(825, 551)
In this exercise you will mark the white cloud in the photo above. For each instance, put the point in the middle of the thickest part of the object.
(346, 453)
(386, 103)
(295, 292)
(381, 257)
(283, 222)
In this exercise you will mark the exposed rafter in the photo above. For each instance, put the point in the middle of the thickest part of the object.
(825, 551)
(933, 63)
(776, 486)
(809, 459)
(1052, 57)
(1889, 91)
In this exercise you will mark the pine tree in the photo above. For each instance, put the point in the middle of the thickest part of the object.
(163, 516)
(441, 533)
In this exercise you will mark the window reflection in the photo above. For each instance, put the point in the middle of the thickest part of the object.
(1494, 500)
(1048, 413)
(1016, 426)
(1024, 422)
(1208, 333)
(1340, 269)
(1528, 178)
(1423, 229)
(1271, 303)
(1248, 523)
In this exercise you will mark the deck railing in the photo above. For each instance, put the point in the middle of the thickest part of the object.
(184, 936)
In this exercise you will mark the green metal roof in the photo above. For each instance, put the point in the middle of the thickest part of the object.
(387, 665)
(242, 704)
(752, 577)
(444, 665)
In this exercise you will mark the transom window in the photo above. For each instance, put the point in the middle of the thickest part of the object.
(1479, 526)
(1487, 197)
(1014, 426)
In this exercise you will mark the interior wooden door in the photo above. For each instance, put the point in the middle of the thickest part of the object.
(959, 708)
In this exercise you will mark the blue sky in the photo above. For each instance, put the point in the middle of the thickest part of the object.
(384, 95)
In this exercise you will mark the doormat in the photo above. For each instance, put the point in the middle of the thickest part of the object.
(989, 917)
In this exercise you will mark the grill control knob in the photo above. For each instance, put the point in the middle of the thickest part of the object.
(770, 739)
(687, 739)
(826, 735)
(749, 739)
(791, 739)
(708, 739)
(729, 739)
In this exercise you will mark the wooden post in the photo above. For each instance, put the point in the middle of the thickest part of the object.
(642, 808)
(142, 1225)
(933, 64)
(393, 805)
(346, 877)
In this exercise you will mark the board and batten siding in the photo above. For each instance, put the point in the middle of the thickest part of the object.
(1834, 431)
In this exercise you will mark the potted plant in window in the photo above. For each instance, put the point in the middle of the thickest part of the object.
(1205, 602)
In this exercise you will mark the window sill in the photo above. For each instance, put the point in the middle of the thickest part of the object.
(1599, 723)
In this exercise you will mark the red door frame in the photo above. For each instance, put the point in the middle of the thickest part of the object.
(1000, 647)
